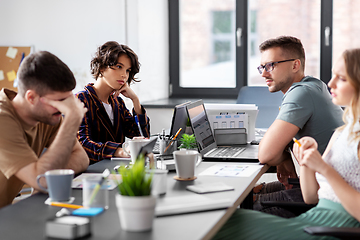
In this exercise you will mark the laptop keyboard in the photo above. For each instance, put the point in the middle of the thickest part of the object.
(226, 152)
(156, 148)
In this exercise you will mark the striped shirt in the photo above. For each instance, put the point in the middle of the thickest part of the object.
(97, 135)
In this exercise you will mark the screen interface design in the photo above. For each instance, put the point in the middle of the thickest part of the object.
(201, 126)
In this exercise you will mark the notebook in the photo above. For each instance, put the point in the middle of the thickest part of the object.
(189, 204)
(207, 143)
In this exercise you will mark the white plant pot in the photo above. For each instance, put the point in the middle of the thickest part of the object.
(136, 213)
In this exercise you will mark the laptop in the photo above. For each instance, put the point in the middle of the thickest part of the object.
(179, 120)
(207, 146)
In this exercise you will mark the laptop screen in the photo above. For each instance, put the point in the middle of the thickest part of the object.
(179, 120)
(200, 124)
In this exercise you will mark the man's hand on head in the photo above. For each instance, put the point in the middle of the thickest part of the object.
(70, 106)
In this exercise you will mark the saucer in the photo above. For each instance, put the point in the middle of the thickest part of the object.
(48, 201)
(185, 179)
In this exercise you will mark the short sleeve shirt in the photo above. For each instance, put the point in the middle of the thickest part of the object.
(20, 145)
(308, 105)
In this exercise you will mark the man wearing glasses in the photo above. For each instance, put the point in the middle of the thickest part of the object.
(306, 110)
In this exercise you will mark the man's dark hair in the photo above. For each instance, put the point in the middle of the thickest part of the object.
(291, 47)
(43, 72)
(108, 54)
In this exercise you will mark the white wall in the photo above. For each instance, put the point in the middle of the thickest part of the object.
(73, 29)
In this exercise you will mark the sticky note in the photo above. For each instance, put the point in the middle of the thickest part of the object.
(11, 52)
(11, 75)
(87, 211)
(2, 77)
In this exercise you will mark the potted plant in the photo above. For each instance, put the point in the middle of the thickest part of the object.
(135, 203)
(188, 141)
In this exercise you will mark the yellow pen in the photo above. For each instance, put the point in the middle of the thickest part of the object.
(65, 205)
(295, 140)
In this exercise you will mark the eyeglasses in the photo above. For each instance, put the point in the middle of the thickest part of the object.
(270, 66)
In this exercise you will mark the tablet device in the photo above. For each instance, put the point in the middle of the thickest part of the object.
(148, 147)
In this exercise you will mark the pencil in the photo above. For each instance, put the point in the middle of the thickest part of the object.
(66, 205)
(295, 140)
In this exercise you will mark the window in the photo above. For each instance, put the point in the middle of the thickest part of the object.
(272, 18)
(202, 48)
(346, 29)
(222, 37)
(214, 44)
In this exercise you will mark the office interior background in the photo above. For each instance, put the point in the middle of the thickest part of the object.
(187, 48)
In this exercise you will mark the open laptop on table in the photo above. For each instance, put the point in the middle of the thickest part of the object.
(179, 120)
(208, 148)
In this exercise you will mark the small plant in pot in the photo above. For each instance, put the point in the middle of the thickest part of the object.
(135, 203)
(188, 142)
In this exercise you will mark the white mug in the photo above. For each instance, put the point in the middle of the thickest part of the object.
(158, 185)
(185, 163)
(134, 146)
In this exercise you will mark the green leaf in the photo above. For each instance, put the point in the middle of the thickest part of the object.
(135, 182)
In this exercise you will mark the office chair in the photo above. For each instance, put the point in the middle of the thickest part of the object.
(268, 103)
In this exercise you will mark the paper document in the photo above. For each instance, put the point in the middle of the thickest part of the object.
(232, 170)
(110, 182)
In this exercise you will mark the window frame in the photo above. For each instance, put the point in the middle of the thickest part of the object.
(241, 12)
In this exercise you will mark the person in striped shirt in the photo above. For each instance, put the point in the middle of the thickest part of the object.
(108, 121)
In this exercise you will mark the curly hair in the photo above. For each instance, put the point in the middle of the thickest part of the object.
(107, 56)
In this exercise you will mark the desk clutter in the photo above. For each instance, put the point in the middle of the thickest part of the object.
(216, 197)
(147, 199)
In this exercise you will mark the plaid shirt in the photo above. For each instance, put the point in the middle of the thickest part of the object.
(97, 135)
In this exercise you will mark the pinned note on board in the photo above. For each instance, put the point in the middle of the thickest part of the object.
(11, 75)
(9, 65)
(11, 52)
(2, 77)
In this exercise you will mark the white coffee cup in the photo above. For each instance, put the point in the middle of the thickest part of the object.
(58, 184)
(185, 163)
(134, 146)
(158, 186)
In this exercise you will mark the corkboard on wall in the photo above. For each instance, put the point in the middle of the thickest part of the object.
(10, 58)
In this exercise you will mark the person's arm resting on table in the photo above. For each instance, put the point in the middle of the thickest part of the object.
(274, 142)
(65, 151)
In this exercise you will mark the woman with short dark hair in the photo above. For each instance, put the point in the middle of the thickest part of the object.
(108, 121)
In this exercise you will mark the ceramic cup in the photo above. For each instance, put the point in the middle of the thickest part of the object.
(58, 184)
(159, 185)
(134, 145)
(185, 163)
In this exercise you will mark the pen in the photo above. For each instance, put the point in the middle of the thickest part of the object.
(66, 205)
(172, 140)
(105, 174)
(138, 124)
(295, 140)
(163, 134)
